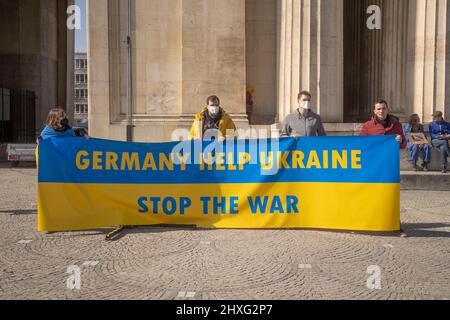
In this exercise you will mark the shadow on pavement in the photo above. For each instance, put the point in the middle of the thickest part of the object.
(21, 165)
(151, 229)
(421, 230)
(19, 212)
(412, 230)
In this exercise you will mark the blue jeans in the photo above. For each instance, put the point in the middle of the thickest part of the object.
(442, 145)
(415, 150)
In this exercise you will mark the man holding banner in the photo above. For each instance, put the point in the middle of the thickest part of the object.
(383, 123)
(303, 122)
(212, 119)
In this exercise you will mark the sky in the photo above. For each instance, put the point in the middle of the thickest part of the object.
(80, 35)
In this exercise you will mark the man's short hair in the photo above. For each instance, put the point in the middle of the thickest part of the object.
(380, 101)
(304, 93)
(213, 99)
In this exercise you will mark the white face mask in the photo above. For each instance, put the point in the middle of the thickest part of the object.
(305, 105)
(213, 110)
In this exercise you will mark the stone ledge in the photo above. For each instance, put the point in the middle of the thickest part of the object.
(435, 164)
(426, 181)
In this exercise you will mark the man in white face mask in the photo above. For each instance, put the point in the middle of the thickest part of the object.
(303, 122)
(212, 121)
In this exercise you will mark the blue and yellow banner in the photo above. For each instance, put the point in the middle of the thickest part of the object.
(342, 183)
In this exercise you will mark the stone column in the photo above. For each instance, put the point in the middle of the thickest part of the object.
(213, 58)
(429, 58)
(68, 63)
(394, 52)
(310, 56)
(101, 99)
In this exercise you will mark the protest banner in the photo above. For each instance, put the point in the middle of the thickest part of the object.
(344, 183)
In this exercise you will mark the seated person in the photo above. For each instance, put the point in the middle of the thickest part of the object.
(416, 150)
(214, 118)
(440, 135)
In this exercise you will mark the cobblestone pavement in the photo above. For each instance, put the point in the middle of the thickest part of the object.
(172, 263)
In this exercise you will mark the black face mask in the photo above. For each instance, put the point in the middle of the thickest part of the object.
(64, 125)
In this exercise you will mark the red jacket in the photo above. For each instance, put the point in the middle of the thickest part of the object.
(374, 128)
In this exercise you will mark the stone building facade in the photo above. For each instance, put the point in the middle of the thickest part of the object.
(80, 94)
(186, 50)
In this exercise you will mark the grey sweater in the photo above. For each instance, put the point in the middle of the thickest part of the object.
(297, 125)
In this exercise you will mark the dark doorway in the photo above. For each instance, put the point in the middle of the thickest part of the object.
(376, 61)
(362, 64)
(17, 116)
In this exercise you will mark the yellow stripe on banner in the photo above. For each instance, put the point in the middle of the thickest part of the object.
(339, 206)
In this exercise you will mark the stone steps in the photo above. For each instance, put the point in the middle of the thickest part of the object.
(426, 181)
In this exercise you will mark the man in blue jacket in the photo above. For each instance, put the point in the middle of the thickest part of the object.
(440, 135)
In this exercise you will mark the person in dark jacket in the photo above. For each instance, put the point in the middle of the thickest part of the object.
(417, 150)
(384, 123)
(440, 136)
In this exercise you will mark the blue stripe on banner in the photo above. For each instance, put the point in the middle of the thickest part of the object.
(312, 159)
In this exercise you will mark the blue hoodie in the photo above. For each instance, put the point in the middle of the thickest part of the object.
(52, 133)
(407, 129)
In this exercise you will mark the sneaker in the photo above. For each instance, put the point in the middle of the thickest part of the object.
(425, 166)
(415, 167)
